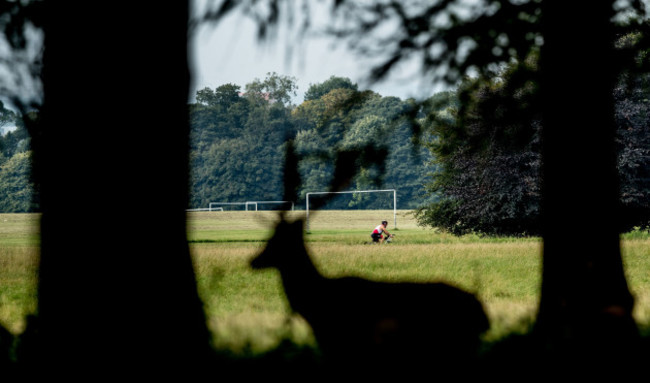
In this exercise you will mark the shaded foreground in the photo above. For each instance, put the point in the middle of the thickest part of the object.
(516, 357)
(511, 356)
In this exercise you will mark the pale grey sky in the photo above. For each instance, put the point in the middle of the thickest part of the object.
(230, 53)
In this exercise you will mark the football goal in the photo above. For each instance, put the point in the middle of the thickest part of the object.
(353, 192)
(248, 205)
(218, 206)
(205, 209)
(256, 203)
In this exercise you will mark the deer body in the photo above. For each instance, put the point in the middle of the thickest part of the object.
(356, 320)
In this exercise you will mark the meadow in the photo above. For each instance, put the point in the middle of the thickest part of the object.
(246, 309)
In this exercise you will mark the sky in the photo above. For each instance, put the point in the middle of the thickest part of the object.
(229, 52)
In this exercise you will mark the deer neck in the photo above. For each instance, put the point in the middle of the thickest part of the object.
(300, 272)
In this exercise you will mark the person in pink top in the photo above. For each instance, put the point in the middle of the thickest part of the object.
(378, 231)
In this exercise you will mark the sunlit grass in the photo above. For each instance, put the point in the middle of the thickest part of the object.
(18, 282)
(504, 277)
(247, 310)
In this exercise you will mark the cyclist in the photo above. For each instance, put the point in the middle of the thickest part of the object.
(378, 231)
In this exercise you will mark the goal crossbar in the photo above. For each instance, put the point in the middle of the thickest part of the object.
(211, 204)
(268, 202)
(354, 192)
(246, 204)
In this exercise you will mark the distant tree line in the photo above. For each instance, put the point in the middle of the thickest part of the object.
(238, 141)
(237, 145)
(478, 170)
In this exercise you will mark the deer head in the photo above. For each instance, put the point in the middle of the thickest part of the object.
(282, 247)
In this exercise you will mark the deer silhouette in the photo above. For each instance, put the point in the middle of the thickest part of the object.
(362, 325)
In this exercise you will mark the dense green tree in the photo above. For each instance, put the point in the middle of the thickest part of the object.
(367, 129)
(217, 114)
(8, 118)
(489, 164)
(317, 91)
(18, 194)
(237, 152)
(490, 171)
(16, 140)
(227, 95)
(224, 96)
(16, 190)
(206, 96)
(407, 169)
(237, 140)
(235, 170)
(359, 121)
(274, 88)
(633, 146)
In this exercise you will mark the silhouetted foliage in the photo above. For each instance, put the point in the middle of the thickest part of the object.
(489, 178)
(488, 161)
(633, 143)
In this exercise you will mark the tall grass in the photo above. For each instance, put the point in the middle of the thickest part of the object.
(247, 310)
(19, 252)
(503, 272)
(242, 301)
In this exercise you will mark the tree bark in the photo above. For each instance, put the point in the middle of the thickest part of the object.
(585, 301)
(117, 291)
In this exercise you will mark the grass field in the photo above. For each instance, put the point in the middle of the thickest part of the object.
(246, 309)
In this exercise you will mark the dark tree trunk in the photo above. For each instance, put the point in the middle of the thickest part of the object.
(117, 290)
(585, 301)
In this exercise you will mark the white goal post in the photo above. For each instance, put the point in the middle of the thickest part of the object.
(354, 192)
(255, 203)
(245, 204)
(205, 209)
(220, 204)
